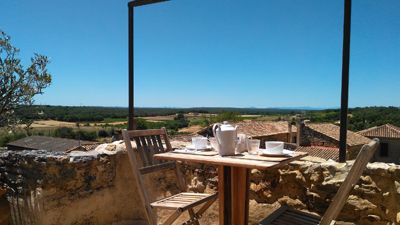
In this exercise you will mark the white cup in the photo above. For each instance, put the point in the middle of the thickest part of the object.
(253, 146)
(199, 142)
(214, 143)
(274, 147)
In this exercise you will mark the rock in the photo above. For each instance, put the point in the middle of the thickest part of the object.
(111, 147)
(295, 203)
(360, 204)
(397, 185)
(373, 218)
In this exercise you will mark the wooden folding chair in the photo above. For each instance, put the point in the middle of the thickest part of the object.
(148, 143)
(287, 216)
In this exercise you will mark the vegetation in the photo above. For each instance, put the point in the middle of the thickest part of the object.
(172, 126)
(19, 85)
(359, 118)
(111, 114)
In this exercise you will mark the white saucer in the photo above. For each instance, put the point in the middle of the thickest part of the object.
(266, 152)
(207, 148)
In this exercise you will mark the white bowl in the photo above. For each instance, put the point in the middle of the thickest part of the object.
(274, 147)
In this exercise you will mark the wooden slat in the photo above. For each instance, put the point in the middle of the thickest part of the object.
(160, 144)
(138, 133)
(151, 149)
(182, 201)
(227, 161)
(141, 151)
(155, 144)
(158, 167)
(166, 139)
(145, 151)
(202, 200)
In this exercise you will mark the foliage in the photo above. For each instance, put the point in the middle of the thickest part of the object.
(226, 116)
(203, 121)
(67, 132)
(172, 126)
(363, 118)
(9, 137)
(359, 118)
(329, 115)
(19, 85)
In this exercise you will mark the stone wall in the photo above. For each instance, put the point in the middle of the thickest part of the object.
(86, 188)
(55, 188)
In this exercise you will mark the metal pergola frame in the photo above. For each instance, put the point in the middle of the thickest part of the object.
(345, 70)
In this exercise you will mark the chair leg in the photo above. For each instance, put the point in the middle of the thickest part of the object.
(205, 207)
(173, 217)
(193, 216)
(196, 216)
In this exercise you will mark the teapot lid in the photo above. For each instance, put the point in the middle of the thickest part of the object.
(226, 126)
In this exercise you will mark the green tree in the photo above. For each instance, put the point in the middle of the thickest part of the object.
(18, 85)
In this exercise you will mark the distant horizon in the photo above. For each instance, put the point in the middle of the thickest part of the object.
(268, 53)
(199, 107)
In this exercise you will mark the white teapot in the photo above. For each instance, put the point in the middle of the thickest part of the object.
(226, 137)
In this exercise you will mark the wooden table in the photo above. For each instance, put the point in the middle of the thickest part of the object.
(233, 179)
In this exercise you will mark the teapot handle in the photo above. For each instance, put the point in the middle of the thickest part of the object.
(214, 130)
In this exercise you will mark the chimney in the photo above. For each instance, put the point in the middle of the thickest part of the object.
(290, 132)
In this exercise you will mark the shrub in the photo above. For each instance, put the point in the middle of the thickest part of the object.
(103, 133)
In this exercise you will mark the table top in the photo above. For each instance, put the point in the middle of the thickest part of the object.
(243, 160)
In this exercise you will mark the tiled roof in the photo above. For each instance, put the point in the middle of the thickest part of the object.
(320, 151)
(263, 128)
(385, 131)
(258, 128)
(49, 143)
(333, 131)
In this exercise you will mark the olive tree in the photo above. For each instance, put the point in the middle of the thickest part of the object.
(19, 84)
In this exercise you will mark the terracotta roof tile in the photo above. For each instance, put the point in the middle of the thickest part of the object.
(333, 131)
(263, 128)
(320, 151)
(385, 131)
(258, 128)
(50, 143)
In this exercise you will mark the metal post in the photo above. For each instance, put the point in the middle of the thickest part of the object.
(131, 121)
(345, 81)
(131, 5)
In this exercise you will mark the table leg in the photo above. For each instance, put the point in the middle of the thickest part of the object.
(233, 186)
(224, 195)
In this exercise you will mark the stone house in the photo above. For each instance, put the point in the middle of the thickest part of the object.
(327, 135)
(263, 130)
(389, 136)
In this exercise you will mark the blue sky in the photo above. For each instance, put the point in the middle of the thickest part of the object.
(281, 53)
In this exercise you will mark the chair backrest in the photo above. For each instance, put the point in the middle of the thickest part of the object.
(148, 143)
(340, 199)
